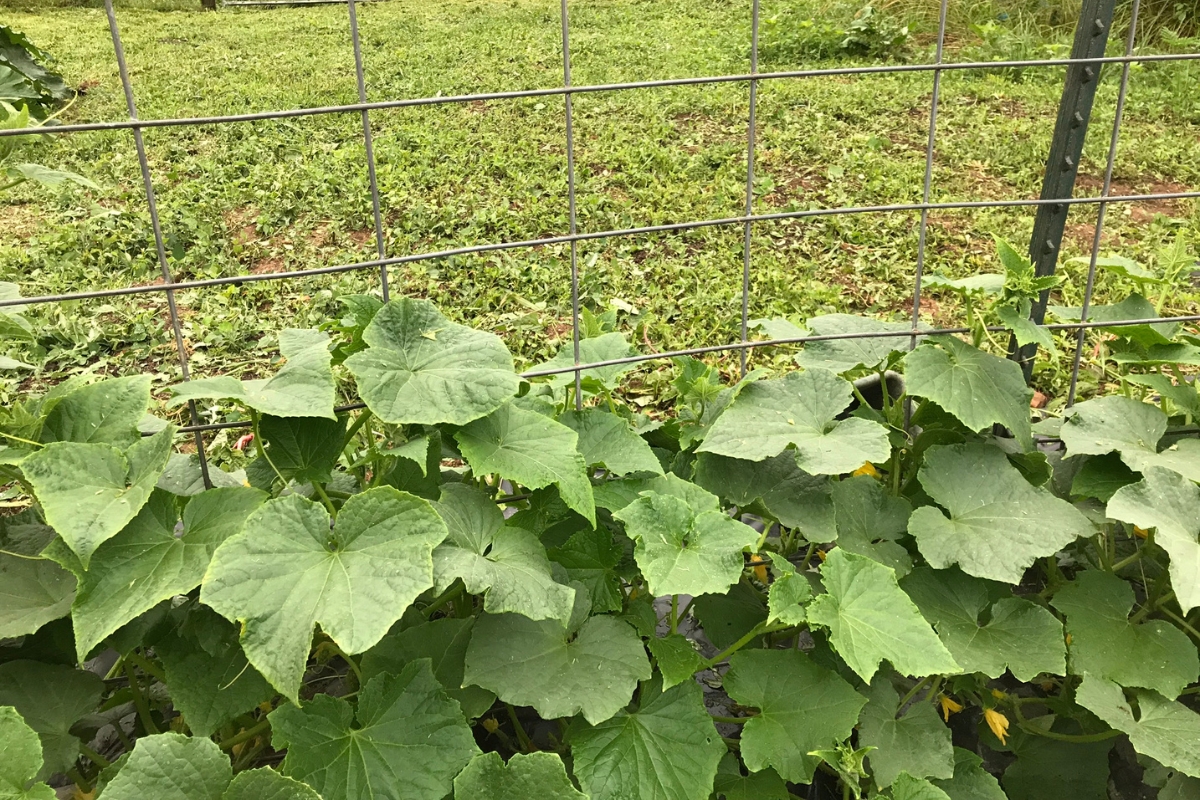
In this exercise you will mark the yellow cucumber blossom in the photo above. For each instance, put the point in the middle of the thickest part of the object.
(949, 706)
(997, 722)
(866, 469)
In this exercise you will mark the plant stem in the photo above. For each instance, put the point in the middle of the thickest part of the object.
(139, 700)
(444, 598)
(758, 630)
(245, 736)
(320, 490)
(912, 693)
(1025, 725)
(91, 755)
(1125, 562)
(674, 613)
(145, 666)
(362, 419)
(522, 736)
(1181, 622)
(262, 451)
(350, 661)
(683, 612)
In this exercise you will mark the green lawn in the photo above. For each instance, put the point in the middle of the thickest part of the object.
(292, 194)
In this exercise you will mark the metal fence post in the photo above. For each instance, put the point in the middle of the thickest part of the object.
(1066, 148)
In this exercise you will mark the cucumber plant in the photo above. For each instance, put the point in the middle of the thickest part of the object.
(482, 586)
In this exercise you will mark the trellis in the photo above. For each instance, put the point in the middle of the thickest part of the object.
(1083, 69)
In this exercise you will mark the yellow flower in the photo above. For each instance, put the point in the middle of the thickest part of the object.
(999, 695)
(949, 706)
(997, 722)
(490, 725)
(1141, 533)
(867, 469)
(821, 554)
(760, 567)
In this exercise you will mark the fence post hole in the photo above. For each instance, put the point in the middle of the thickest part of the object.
(1066, 148)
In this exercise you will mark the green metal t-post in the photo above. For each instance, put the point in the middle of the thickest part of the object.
(1074, 112)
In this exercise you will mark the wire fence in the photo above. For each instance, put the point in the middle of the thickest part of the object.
(573, 236)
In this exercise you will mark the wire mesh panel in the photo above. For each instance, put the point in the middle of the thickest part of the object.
(573, 236)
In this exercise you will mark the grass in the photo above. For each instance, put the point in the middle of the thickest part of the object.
(293, 194)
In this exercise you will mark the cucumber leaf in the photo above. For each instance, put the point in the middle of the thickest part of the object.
(802, 707)
(532, 450)
(999, 524)
(290, 570)
(621, 757)
(536, 663)
(406, 735)
(871, 619)
(422, 369)
(303, 386)
(800, 409)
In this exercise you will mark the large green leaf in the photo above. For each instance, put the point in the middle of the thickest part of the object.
(676, 657)
(288, 571)
(107, 412)
(869, 521)
(171, 766)
(207, 673)
(1018, 635)
(799, 409)
(183, 476)
(33, 590)
(1153, 654)
(978, 388)
(870, 619)
(906, 787)
(666, 750)
(532, 450)
(1133, 307)
(1163, 729)
(731, 784)
(999, 524)
(786, 492)
(802, 707)
(1122, 424)
(22, 759)
(617, 494)
(303, 386)
(842, 355)
(407, 741)
(917, 743)
(421, 368)
(51, 698)
(444, 642)
(682, 552)
(1048, 769)
(150, 560)
(303, 449)
(89, 492)
(591, 557)
(607, 440)
(608, 347)
(536, 776)
(1170, 504)
(505, 564)
(267, 784)
(971, 781)
(536, 663)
